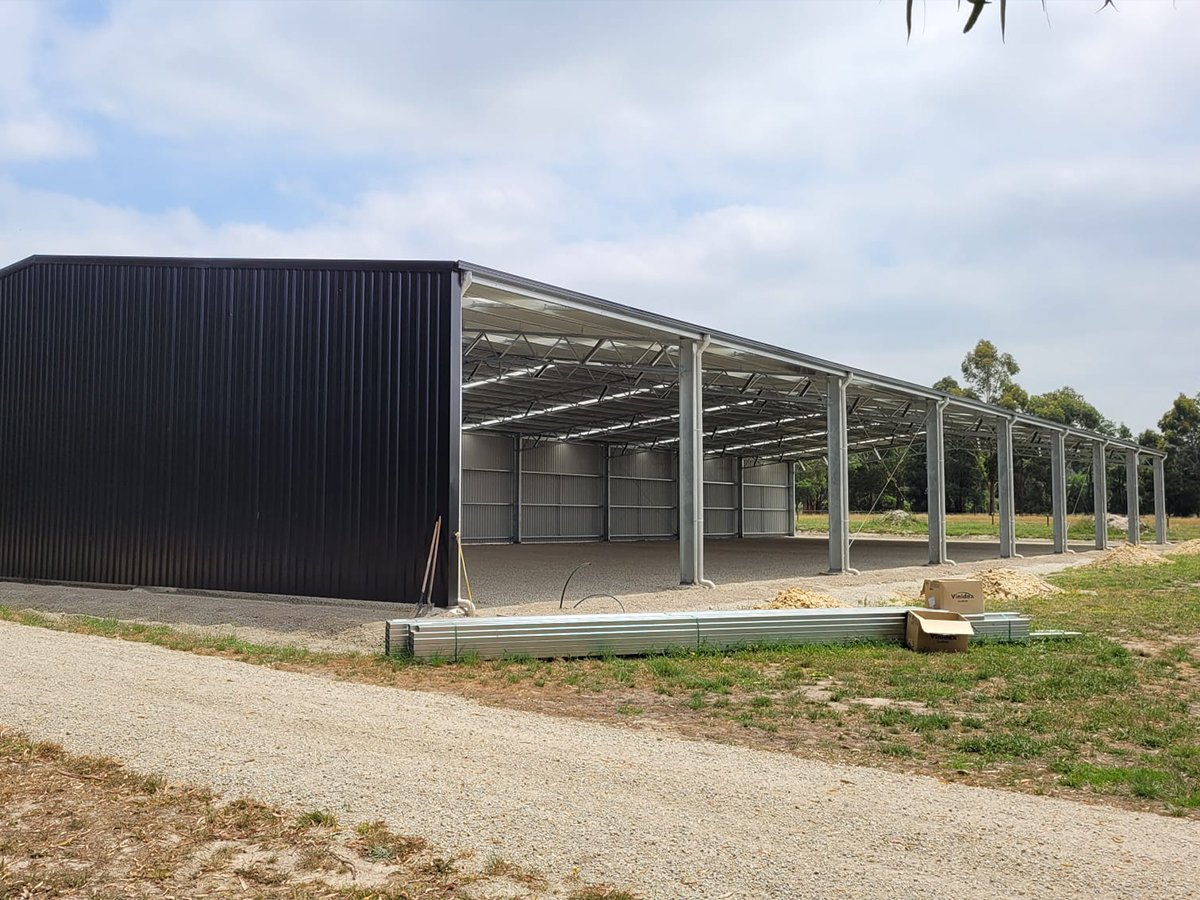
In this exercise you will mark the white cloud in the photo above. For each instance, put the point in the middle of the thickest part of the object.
(792, 172)
(28, 132)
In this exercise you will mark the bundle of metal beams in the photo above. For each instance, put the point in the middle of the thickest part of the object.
(548, 637)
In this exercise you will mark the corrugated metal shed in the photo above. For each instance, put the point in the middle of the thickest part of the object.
(274, 426)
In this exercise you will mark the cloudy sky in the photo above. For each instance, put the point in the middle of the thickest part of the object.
(793, 172)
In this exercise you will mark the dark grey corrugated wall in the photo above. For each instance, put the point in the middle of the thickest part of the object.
(238, 425)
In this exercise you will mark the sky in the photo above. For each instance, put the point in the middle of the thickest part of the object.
(794, 172)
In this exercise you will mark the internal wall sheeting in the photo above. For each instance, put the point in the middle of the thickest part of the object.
(590, 491)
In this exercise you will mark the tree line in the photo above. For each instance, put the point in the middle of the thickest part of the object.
(895, 479)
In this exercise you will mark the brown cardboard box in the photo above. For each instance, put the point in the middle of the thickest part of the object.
(937, 631)
(961, 595)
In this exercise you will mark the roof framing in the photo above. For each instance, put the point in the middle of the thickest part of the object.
(553, 364)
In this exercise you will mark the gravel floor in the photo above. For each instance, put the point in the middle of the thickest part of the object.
(507, 574)
(670, 817)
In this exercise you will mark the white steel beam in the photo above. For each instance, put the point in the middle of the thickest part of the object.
(1007, 506)
(1100, 493)
(935, 476)
(1160, 502)
(516, 490)
(739, 475)
(691, 462)
(1132, 511)
(791, 477)
(839, 476)
(1058, 490)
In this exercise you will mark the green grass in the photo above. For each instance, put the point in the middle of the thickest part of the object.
(1111, 714)
(317, 818)
(1079, 528)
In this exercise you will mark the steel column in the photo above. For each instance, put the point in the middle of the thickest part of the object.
(691, 462)
(739, 475)
(791, 476)
(1058, 490)
(1132, 511)
(452, 534)
(839, 475)
(1160, 502)
(935, 476)
(1007, 506)
(1100, 493)
(606, 521)
(516, 510)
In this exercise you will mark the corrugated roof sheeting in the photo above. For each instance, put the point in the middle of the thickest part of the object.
(554, 364)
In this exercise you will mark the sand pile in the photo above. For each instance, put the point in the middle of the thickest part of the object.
(1013, 584)
(1187, 548)
(1122, 523)
(1127, 555)
(800, 598)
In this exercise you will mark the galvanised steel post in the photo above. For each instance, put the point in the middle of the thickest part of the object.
(1160, 502)
(1100, 493)
(1058, 489)
(606, 523)
(691, 462)
(516, 490)
(1132, 511)
(839, 475)
(1007, 506)
(935, 475)
(739, 475)
(791, 477)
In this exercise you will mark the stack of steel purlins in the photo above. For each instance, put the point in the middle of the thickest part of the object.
(638, 633)
(396, 638)
(1000, 626)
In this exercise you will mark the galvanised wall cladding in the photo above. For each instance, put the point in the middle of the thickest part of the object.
(488, 484)
(562, 492)
(281, 427)
(644, 495)
(767, 496)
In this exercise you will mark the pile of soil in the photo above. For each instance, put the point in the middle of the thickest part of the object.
(1187, 548)
(1127, 555)
(800, 598)
(1122, 522)
(1013, 584)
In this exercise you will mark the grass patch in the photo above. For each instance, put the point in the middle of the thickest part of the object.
(1028, 527)
(62, 815)
(1119, 703)
(317, 818)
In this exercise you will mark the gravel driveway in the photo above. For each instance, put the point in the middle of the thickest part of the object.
(669, 817)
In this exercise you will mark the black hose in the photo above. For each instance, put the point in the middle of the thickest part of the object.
(609, 596)
(563, 596)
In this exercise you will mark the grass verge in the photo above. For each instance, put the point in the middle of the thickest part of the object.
(1079, 528)
(1114, 716)
(74, 825)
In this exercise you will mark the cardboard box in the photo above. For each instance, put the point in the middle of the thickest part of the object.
(960, 595)
(937, 631)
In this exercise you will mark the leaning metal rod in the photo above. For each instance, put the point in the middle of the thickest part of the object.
(563, 597)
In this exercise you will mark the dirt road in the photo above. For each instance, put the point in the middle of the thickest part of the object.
(670, 817)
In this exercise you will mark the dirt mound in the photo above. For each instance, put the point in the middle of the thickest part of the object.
(1122, 522)
(1127, 555)
(896, 517)
(1187, 548)
(1013, 584)
(800, 598)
